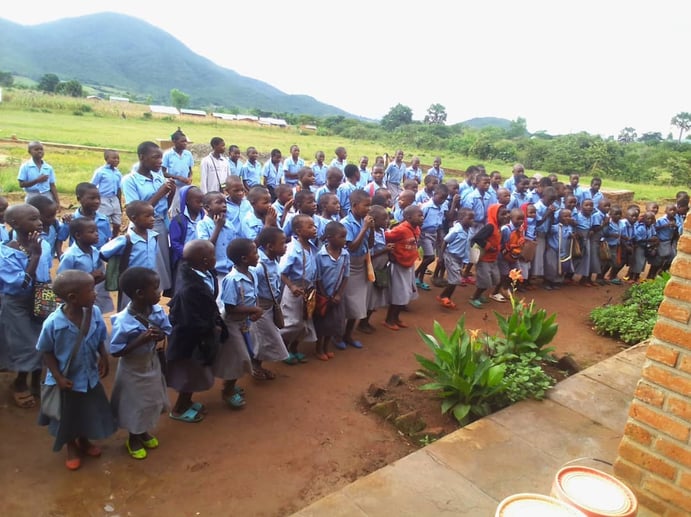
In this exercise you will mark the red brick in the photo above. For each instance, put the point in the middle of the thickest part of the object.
(638, 434)
(668, 492)
(687, 226)
(662, 354)
(628, 472)
(684, 245)
(650, 502)
(659, 420)
(685, 481)
(638, 456)
(685, 363)
(680, 454)
(675, 312)
(671, 512)
(679, 407)
(672, 334)
(678, 289)
(681, 267)
(649, 394)
(667, 378)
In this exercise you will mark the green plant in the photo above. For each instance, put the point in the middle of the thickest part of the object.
(466, 376)
(426, 440)
(524, 379)
(632, 320)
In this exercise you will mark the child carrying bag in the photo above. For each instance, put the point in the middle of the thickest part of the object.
(117, 264)
(45, 300)
(51, 394)
(279, 320)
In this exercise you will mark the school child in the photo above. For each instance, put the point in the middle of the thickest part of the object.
(252, 172)
(611, 234)
(410, 185)
(495, 183)
(216, 227)
(434, 212)
(283, 204)
(666, 228)
(83, 255)
(378, 291)
(214, 168)
(24, 261)
(305, 180)
(405, 199)
(646, 241)
(520, 196)
(340, 160)
(183, 227)
(262, 213)
(270, 174)
(468, 185)
(453, 201)
(403, 255)
(436, 169)
(237, 205)
(234, 162)
(382, 197)
(486, 270)
(304, 204)
(601, 219)
(529, 246)
(479, 201)
(268, 345)
(455, 254)
(365, 174)
(320, 170)
(377, 180)
(139, 392)
(586, 224)
(593, 192)
(334, 177)
(107, 179)
(414, 172)
(36, 177)
(395, 174)
(72, 342)
(558, 261)
(298, 269)
(138, 247)
(352, 177)
(333, 270)
(54, 231)
(576, 188)
(427, 192)
(89, 199)
(4, 234)
(512, 241)
(545, 208)
(291, 167)
(516, 171)
(682, 204)
(197, 330)
(177, 164)
(628, 241)
(329, 207)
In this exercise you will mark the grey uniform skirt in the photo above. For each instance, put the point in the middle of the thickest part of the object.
(355, 293)
(233, 358)
(20, 334)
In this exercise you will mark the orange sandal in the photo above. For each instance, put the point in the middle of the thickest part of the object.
(446, 303)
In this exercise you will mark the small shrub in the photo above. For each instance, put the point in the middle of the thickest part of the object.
(525, 380)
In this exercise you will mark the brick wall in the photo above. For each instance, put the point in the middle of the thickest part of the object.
(655, 452)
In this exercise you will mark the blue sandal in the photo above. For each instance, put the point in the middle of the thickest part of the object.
(235, 401)
(292, 359)
(422, 285)
(191, 416)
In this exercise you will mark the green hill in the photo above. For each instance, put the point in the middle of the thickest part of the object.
(482, 122)
(117, 53)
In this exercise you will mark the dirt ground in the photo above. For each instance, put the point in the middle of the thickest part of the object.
(300, 437)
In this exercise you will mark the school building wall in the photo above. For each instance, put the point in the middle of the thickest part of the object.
(655, 452)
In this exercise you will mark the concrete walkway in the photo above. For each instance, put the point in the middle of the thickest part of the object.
(518, 449)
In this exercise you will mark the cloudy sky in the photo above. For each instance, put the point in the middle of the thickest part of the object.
(597, 66)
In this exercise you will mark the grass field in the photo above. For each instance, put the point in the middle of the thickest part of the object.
(51, 119)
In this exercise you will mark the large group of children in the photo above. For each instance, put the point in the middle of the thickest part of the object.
(259, 259)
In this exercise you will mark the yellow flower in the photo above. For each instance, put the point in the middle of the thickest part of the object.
(515, 275)
(474, 334)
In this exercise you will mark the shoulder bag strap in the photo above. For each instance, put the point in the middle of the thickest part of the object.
(83, 329)
(266, 276)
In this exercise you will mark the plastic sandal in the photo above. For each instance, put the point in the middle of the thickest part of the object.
(292, 360)
(447, 303)
(390, 326)
(475, 303)
(341, 345)
(302, 358)
(422, 285)
(191, 416)
(236, 401)
(151, 443)
(322, 357)
(138, 454)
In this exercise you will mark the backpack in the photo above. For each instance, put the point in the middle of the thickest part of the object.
(514, 246)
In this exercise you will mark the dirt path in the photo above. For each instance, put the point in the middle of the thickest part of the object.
(300, 437)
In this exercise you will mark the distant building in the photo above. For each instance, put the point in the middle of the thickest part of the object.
(164, 110)
(269, 121)
(113, 98)
(196, 113)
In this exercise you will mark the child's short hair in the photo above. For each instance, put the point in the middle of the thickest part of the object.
(135, 278)
(332, 229)
(108, 152)
(410, 210)
(544, 182)
(216, 140)
(299, 221)
(304, 171)
(79, 224)
(350, 170)
(596, 179)
(333, 172)
(325, 198)
(70, 281)
(177, 135)
(463, 213)
(358, 196)
(232, 148)
(429, 179)
(379, 200)
(239, 248)
(283, 188)
(275, 153)
(41, 202)
(377, 209)
(442, 188)
(256, 193)
(206, 200)
(135, 208)
(302, 197)
(84, 187)
(268, 235)
(146, 147)
(410, 185)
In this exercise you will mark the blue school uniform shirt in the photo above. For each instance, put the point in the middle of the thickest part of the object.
(422, 197)
(29, 171)
(665, 228)
(319, 174)
(464, 190)
(319, 222)
(510, 184)
(642, 233)
(268, 277)
(398, 214)
(566, 232)
(105, 230)
(251, 226)
(13, 264)
(137, 187)
(205, 229)
(143, 252)
(478, 203)
(588, 194)
(178, 164)
(437, 173)
(235, 213)
(611, 232)
(626, 231)
(299, 263)
(372, 187)
(584, 222)
(340, 164)
(680, 223)
(75, 258)
(4, 234)
(272, 174)
(353, 227)
(323, 190)
(279, 211)
(252, 173)
(293, 167)
(343, 192)
(239, 289)
(541, 214)
(395, 173)
(433, 215)
(379, 240)
(518, 200)
(530, 228)
(107, 180)
(365, 178)
(330, 271)
(58, 336)
(234, 168)
(126, 328)
(458, 241)
(413, 174)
